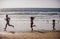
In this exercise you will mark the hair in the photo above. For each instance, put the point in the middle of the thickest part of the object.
(32, 17)
(6, 15)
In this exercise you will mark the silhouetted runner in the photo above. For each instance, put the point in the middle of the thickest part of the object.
(53, 24)
(32, 19)
(7, 22)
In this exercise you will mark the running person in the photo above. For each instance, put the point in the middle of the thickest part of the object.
(32, 19)
(7, 22)
(53, 24)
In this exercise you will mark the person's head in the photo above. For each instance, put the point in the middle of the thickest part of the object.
(6, 15)
(32, 17)
(53, 20)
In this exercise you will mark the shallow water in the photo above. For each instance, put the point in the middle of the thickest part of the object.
(22, 23)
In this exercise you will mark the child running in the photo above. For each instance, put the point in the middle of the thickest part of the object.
(32, 19)
(7, 22)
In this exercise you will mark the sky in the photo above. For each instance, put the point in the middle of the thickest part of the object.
(29, 3)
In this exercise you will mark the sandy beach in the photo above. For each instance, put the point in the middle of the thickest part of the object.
(31, 35)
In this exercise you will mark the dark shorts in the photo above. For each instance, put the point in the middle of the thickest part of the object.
(31, 25)
(7, 23)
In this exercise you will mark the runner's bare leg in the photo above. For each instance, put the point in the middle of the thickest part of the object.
(5, 27)
(11, 25)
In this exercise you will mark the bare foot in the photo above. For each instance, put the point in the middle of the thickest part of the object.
(13, 26)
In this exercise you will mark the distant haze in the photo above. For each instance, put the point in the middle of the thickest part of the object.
(29, 3)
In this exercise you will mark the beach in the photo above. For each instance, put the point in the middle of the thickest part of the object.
(31, 35)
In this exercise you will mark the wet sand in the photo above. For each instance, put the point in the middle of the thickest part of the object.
(31, 35)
